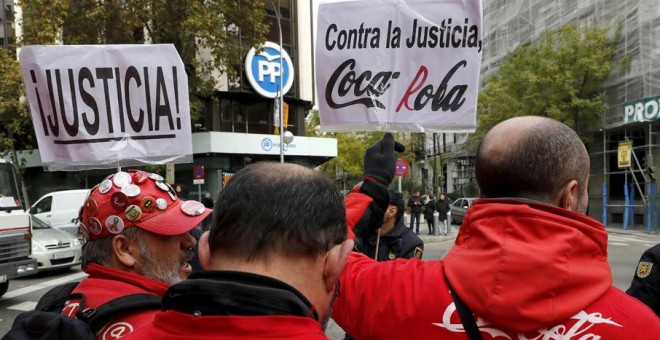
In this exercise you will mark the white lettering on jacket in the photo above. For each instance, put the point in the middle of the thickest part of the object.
(559, 332)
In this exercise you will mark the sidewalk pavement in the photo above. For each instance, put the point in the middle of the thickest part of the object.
(451, 235)
(638, 230)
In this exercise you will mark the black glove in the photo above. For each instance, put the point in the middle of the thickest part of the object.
(379, 167)
(380, 159)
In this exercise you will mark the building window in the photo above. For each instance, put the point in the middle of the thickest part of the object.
(7, 27)
(288, 22)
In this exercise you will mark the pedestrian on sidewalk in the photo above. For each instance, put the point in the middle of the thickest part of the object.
(415, 203)
(442, 205)
(429, 209)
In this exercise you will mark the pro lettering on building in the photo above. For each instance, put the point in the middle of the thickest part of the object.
(643, 110)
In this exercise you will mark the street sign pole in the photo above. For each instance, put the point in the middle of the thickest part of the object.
(198, 179)
(399, 183)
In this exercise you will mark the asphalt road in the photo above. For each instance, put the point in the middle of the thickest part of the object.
(23, 294)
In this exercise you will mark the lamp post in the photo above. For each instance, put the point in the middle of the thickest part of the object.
(287, 137)
(280, 92)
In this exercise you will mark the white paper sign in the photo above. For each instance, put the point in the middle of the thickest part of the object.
(96, 105)
(399, 65)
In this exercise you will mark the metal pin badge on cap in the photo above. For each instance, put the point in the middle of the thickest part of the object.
(90, 207)
(82, 228)
(114, 224)
(94, 226)
(171, 192)
(133, 212)
(122, 179)
(119, 200)
(140, 177)
(131, 190)
(148, 204)
(162, 186)
(192, 208)
(156, 177)
(161, 204)
(105, 186)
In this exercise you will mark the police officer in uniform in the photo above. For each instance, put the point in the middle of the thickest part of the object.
(396, 240)
(645, 285)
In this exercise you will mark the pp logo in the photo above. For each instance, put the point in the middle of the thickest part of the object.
(264, 71)
(266, 144)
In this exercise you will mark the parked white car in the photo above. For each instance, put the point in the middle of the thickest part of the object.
(59, 207)
(53, 248)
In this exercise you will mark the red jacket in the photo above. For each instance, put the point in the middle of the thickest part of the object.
(105, 284)
(527, 271)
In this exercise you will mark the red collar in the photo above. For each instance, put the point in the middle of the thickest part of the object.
(98, 271)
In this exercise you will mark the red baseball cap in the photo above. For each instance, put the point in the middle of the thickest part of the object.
(137, 199)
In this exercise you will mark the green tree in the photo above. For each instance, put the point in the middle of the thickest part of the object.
(351, 147)
(560, 77)
(16, 131)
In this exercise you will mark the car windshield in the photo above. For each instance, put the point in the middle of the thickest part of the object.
(39, 224)
(9, 198)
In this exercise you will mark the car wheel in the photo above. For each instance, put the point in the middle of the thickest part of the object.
(3, 287)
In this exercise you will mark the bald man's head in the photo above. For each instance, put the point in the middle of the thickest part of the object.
(531, 157)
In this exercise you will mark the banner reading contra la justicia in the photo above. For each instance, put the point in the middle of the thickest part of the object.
(403, 65)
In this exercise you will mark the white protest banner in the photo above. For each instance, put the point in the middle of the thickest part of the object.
(399, 65)
(96, 106)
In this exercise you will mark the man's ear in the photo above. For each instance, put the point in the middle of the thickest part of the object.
(569, 196)
(204, 251)
(335, 260)
(125, 250)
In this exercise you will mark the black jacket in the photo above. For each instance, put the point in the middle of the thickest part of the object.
(429, 209)
(236, 293)
(415, 204)
(443, 208)
(645, 285)
(400, 242)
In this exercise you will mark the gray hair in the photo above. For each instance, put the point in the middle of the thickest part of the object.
(100, 251)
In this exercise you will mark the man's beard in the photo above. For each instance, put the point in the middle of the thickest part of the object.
(157, 269)
(581, 208)
(325, 318)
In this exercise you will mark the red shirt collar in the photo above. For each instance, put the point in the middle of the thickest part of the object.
(102, 272)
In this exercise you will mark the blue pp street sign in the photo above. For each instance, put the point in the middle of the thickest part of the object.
(263, 70)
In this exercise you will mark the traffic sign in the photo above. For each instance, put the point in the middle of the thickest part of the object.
(198, 172)
(401, 167)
